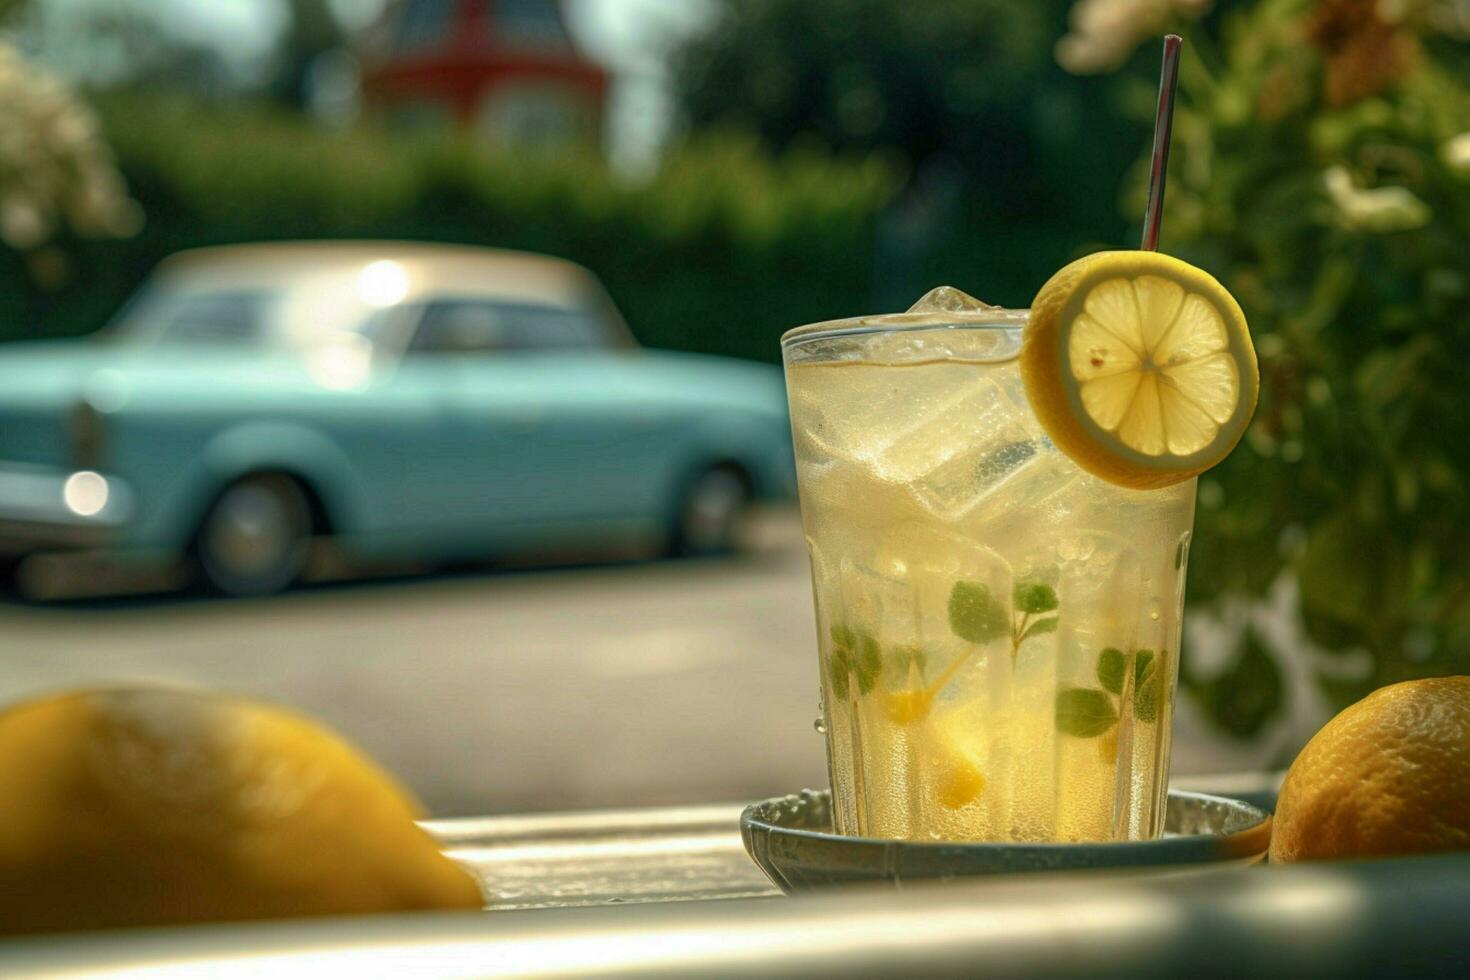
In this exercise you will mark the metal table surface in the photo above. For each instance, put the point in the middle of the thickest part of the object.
(607, 857)
(670, 892)
(1404, 918)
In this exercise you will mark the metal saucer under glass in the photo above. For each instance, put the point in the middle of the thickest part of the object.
(791, 838)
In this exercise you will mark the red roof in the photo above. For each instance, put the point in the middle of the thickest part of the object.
(454, 51)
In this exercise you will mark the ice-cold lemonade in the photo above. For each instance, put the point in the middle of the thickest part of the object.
(999, 629)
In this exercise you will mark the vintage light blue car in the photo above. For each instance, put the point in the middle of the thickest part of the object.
(407, 401)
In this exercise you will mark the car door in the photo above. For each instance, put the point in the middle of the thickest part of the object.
(406, 439)
(548, 436)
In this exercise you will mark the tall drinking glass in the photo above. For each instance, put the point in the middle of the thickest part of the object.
(998, 629)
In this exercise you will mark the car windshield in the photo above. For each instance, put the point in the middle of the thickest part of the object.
(170, 316)
(298, 316)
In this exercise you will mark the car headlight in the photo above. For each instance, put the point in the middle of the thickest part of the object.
(87, 430)
(86, 494)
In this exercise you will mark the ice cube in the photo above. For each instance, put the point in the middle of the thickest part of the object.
(1021, 485)
(838, 407)
(947, 299)
(847, 499)
(1100, 594)
(853, 406)
(990, 342)
(953, 490)
(959, 422)
(976, 447)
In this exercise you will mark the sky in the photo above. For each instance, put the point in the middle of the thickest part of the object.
(628, 36)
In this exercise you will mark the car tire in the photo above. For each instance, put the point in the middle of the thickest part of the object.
(711, 512)
(256, 537)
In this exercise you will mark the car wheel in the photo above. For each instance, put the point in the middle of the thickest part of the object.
(711, 511)
(255, 540)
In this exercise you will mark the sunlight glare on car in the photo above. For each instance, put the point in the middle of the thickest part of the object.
(343, 364)
(382, 283)
(85, 493)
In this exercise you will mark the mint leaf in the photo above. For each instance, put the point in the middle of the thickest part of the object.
(975, 614)
(1147, 685)
(1035, 597)
(1085, 712)
(1048, 625)
(901, 658)
(840, 661)
(1111, 664)
(839, 665)
(869, 661)
(1143, 665)
(1146, 705)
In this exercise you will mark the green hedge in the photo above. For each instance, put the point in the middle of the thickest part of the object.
(720, 252)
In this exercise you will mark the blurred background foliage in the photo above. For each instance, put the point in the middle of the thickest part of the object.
(720, 251)
(1321, 170)
(1011, 165)
(844, 156)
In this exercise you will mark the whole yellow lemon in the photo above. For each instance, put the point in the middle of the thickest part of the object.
(138, 806)
(1389, 775)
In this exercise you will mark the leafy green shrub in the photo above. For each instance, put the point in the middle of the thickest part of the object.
(722, 250)
(1012, 164)
(1321, 169)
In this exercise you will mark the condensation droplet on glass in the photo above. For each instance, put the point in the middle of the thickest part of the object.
(820, 726)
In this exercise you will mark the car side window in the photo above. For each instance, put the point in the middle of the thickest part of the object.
(215, 317)
(533, 327)
(484, 326)
(460, 327)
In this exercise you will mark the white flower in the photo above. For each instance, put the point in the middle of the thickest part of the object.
(1105, 32)
(53, 162)
(1379, 210)
(22, 224)
(1456, 154)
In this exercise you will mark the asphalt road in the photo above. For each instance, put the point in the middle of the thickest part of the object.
(630, 684)
(644, 683)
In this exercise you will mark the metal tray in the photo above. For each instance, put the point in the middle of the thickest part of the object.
(791, 838)
(610, 857)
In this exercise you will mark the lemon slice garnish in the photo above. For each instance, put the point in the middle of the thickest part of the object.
(1139, 367)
